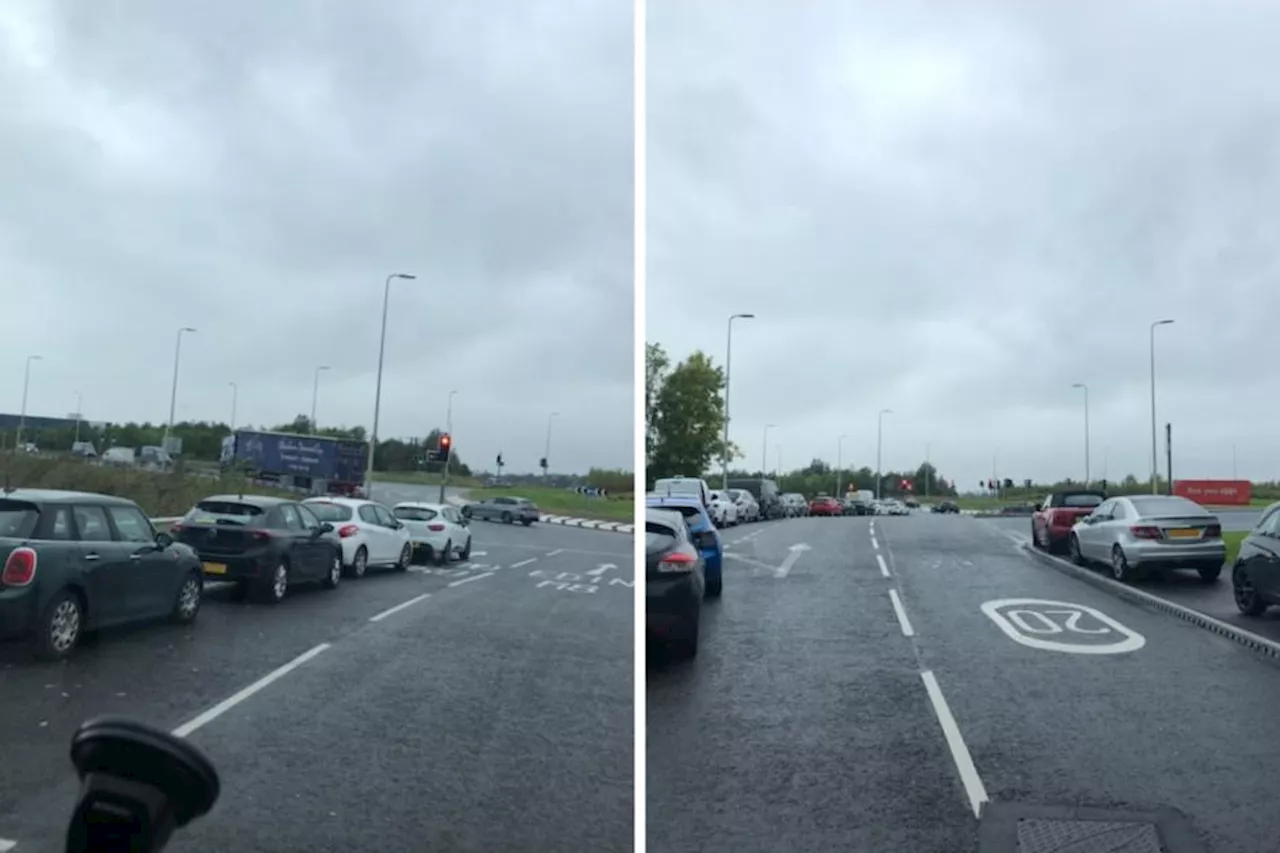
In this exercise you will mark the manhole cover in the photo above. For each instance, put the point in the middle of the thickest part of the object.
(1021, 828)
(1087, 836)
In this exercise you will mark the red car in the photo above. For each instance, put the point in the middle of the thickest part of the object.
(1053, 519)
(825, 506)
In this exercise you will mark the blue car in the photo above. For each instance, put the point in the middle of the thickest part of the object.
(705, 535)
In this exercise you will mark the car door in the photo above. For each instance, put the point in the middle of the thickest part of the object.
(105, 565)
(1263, 561)
(379, 541)
(457, 527)
(302, 549)
(153, 574)
(1091, 534)
(319, 548)
(396, 534)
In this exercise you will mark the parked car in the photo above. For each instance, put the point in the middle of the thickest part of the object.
(1255, 573)
(764, 492)
(1054, 517)
(675, 582)
(505, 509)
(824, 505)
(724, 512)
(264, 545)
(864, 502)
(75, 562)
(1142, 533)
(437, 532)
(369, 532)
(695, 486)
(795, 505)
(745, 502)
(704, 535)
(946, 508)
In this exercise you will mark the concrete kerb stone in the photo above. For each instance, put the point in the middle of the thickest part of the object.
(1236, 634)
(567, 521)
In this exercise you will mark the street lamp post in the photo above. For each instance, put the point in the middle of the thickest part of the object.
(1085, 388)
(928, 467)
(315, 396)
(80, 407)
(728, 355)
(879, 447)
(839, 461)
(546, 453)
(377, 394)
(173, 394)
(235, 394)
(764, 450)
(777, 471)
(1154, 452)
(448, 457)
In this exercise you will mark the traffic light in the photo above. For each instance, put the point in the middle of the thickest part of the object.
(542, 463)
(446, 441)
(906, 484)
(1008, 482)
(499, 460)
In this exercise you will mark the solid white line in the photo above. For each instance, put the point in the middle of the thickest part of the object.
(227, 704)
(556, 551)
(901, 611)
(7, 845)
(884, 568)
(969, 777)
(472, 578)
(524, 562)
(479, 553)
(384, 614)
(874, 543)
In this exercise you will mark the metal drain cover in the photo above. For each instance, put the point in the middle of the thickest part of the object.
(1016, 828)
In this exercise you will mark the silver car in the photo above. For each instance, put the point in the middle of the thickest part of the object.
(1142, 533)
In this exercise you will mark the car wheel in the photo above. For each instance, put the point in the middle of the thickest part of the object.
(406, 558)
(187, 605)
(1035, 536)
(526, 521)
(714, 587)
(59, 628)
(360, 563)
(465, 553)
(1246, 595)
(1210, 574)
(506, 518)
(442, 556)
(275, 588)
(335, 571)
(1120, 569)
(1073, 548)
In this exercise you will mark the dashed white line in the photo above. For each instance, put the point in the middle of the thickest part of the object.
(472, 578)
(973, 787)
(556, 551)
(479, 553)
(901, 612)
(884, 567)
(6, 845)
(874, 543)
(524, 562)
(230, 702)
(391, 610)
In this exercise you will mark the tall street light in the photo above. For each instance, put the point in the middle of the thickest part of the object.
(1154, 453)
(235, 394)
(839, 461)
(728, 355)
(26, 384)
(377, 394)
(315, 395)
(448, 428)
(880, 446)
(764, 450)
(173, 394)
(928, 467)
(777, 471)
(1085, 388)
(546, 453)
(80, 408)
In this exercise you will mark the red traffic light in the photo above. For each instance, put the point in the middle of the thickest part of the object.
(445, 441)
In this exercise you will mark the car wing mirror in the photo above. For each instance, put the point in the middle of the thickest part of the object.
(163, 540)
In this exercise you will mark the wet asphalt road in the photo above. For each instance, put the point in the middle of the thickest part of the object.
(805, 723)
(495, 714)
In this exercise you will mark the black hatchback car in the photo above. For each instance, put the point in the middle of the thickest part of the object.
(675, 583)
(1255, 574)
(264, 545)
(74, 562)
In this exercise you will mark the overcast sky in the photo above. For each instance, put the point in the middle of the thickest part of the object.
(255, 170)
(958, 210)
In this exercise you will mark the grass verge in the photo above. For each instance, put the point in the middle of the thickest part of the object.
(564, 502)
(159, 494)
(421, 478)
(1232, 539)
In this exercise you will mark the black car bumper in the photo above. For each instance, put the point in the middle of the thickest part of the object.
(672, 605)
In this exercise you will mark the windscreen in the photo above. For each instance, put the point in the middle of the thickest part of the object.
(330, 512)
(18, 519)
(224, 512)
(414, 513)
(1082, 500)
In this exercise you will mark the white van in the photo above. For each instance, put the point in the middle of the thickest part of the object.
(684, 486)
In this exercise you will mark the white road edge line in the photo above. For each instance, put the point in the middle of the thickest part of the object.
(230, 702)
(874, 543)
(903, 621)
(969, 777)
(556, 551)
(6, 845)
(884, 568)
(393, 610)
(472, 578)
(524, 562)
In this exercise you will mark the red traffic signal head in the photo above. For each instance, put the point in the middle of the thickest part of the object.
(445, 441)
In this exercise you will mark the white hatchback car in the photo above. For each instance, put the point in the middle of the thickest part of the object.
(371, 535)
(724, 512)
(436, 531)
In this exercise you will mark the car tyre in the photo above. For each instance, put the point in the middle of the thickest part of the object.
(1210, 574)
(1246, 595)
(334, 576)
(714, 587)
(465, 553)
(442, 556)
(274, 589)
(186, 605)
(360, 562)
(1120, 568)
(526, 521)
(506, 518)
(1073, 548)
(59, 628)
(406, 558)
(1035, 537)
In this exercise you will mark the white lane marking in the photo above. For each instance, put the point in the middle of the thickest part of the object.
(1012, 616)
(793, 554)
(524, 562)
(479, 553)
(227, 704)
(884, 567)
(556, 551)
(903, 621)
(6, 845)
(472, 578)
(874, 543)
(598, 570)
(969, 777)
(389, 611)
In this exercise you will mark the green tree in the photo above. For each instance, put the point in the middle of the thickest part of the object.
(685, 414)
(656, 366)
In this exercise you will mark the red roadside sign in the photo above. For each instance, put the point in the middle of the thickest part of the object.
(1224, 492)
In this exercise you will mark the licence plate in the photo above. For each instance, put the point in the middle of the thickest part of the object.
(215, 568)
(1184, 533)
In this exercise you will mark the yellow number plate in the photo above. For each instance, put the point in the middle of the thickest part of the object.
(1184, 533)
(215, 569)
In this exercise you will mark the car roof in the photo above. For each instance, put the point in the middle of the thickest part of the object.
(420, 505)
(59, 496)
(675, 519)
(263, 501)
(674, 500)
(326, 499)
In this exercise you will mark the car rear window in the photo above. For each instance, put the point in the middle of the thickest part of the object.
(687, 511)
(224, 512)
(1167, 505)
(18, 519)
(1087, 501)
(329, 512)
(414, 513)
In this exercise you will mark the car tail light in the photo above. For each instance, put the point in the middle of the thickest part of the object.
(1145, 531)
(348, 530)
(435, 528)
(1213, 531)
(20, 568)
(260, 536)
(676, 563)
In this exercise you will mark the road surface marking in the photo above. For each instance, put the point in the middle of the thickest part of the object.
(524, 562)
(472, 578)
(793, 554)
(6, 845)
(227, 704)
(884, 567)
(598, 570)
(384, 614)
(874, 543)
(969, 777)
(901, 611)
(556, 551)
(1028, 620)
(479, 553)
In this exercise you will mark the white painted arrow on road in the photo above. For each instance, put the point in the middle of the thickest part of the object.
(601, 569)
(796, 551)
